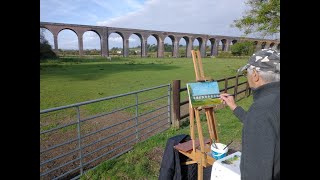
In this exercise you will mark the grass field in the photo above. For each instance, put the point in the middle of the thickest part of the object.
(71, 80)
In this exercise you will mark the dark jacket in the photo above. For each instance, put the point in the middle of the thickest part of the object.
(260, 156)
(171, 161)
(171, 168)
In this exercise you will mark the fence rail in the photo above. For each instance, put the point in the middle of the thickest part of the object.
(68, 150)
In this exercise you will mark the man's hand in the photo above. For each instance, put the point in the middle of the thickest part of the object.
(229, 100)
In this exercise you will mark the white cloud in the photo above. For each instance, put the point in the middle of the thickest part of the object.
(189, 16)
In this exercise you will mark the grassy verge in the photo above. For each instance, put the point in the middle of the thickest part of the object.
(143, 162)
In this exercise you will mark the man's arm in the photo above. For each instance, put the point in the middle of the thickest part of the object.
(240, 113)
(259, 146)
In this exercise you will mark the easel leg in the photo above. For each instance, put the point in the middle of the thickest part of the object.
(200, 170)
(201, 140)
(214, 123)
(191, 114)
(210, 125)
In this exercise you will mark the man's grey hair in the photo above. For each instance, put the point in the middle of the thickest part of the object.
(266, 76)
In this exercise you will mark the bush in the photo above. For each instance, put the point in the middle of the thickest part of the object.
(45, 48)
(245, 48)
(46, 51)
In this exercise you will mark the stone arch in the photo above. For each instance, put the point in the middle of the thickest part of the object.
(202, 45)
(172, 38)
(92, 51)
(184, 52)
(271, 45)
(92, 30)
(48, 35)
(67, 28)
(210, 49)
(278, 47)
(115, 51)
(153, 47)
(134, 51)
(263, 45)
(222, 45)
(199, 39)
(73, 42)
(255, 45)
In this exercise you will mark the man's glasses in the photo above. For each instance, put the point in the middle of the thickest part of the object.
(244, 72)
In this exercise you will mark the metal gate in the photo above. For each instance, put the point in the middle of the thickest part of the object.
(78, 137)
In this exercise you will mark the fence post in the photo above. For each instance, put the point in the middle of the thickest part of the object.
(247, 89)
(169, 104)
(176, 103)
(236, 87)
(137, 114)
(226, 85)
(79, 140)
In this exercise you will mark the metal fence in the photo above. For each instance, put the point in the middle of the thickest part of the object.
(80, 136)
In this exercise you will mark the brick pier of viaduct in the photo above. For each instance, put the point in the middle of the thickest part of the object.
(103, 32)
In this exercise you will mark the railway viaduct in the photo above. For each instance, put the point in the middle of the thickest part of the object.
(103, 32)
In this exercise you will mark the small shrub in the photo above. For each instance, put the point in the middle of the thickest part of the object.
(46, 51)
(244, 48)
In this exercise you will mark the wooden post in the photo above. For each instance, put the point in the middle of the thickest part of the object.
(236, 87)
(247, 89)
(226, 85)
(176, 103)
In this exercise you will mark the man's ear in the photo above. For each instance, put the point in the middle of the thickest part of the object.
(255, 76)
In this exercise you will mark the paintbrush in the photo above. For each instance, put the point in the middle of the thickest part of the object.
(228, 144)
(213, 142)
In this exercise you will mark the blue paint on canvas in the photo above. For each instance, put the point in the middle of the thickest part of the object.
(204, 94)
(204, 88)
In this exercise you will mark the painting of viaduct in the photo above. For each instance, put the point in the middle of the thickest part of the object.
(103, 32)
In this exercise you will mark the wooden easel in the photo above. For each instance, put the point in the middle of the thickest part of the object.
(196, 155)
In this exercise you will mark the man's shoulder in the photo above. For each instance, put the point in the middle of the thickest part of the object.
(269, 100)
(268, 104)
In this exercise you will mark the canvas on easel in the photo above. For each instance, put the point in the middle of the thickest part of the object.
(204, 94)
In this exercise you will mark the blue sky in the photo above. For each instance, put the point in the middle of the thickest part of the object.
(190, 16)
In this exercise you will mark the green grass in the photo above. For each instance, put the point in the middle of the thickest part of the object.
(72, 80)
(139, 163)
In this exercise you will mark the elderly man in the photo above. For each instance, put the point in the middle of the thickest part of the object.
(260, 156)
